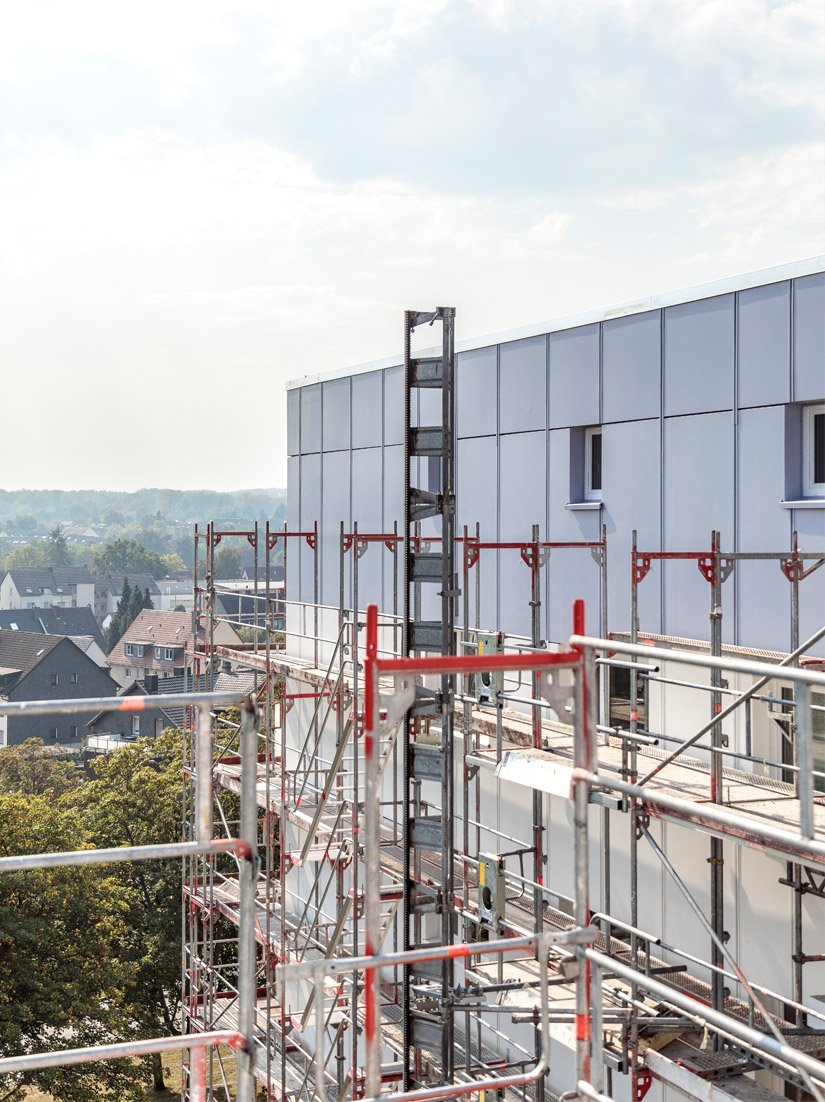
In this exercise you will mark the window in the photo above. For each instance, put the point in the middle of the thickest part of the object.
(593, 464)
(54, 679)
(135, 726)
(165, 654)
(53, 734)
(134, 650)
(72, 678)
(74, 733)
(813, 451)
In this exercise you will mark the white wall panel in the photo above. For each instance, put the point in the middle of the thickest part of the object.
(699, 356)
(477, 392)
(367, 513)
(523, 497)
(631, 367)
(293, 422)
(367, 414)
(631, 492)
(293, 520)
(809, 338)
(394, 405)
(764, 345)
(763, 594)
(522, 385)
(310, 418)
(310, 513)
(574, 377)
(698, 498)
(393, 513)
(810, 527)
(336, 414)
(335, 508)
(476, 500)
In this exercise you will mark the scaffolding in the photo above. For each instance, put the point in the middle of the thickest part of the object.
(407, 936)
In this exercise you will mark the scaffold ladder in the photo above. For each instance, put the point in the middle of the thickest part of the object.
(427, 993)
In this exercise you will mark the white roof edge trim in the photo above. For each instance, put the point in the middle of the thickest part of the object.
(762, 277)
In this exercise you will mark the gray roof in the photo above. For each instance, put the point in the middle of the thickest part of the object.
(37, 579)
(113, 583)
(53, 621)
(240, 681)
(23, 650)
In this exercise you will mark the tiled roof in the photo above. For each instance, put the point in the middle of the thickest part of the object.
(163, 629)
(240, 681)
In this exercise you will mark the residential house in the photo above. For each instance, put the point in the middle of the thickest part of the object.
(161, 643)
(111, 727)
(34, 666)
(47, 587)
(78, 623)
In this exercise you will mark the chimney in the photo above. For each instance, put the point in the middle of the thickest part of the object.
(150, 683)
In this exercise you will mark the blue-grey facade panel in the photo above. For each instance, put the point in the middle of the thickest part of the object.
(762, 522)
(336, 414)
(335, 508)
(293, 422)
(762, 593)
(393, 499)
(632, 499)
(574, 377)
(810, 527)
(572, 574)
(310, 506)
(477, 501)
(632, 367)
(522, 385)
(367, 411)
(311, 418)
(809, 338)
(565, 460)
(763, 361)
(698, 497)
(477, 392)
(394, 405)
(699, 356)
(367, 513)
(523, 481)
(293, 493)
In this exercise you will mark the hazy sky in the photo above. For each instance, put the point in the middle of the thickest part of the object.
(201, 200)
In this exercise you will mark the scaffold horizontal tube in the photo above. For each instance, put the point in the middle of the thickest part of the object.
(726, 1024)
(472, 663)
(15, 1065)
(24, 861)
(117, 703)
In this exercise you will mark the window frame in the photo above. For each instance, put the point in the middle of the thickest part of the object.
(591, 492)
(810, 487)
(54, 679)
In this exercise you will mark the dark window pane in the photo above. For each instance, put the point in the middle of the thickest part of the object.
(596, 461)
(819, 447)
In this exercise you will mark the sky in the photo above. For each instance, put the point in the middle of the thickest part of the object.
(202, 200)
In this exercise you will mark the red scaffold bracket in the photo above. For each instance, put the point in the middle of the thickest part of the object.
(641, 567)
(472, 551)
(642, 1082)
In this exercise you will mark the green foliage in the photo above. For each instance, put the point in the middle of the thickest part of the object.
(27, 554)
(132, 602)
(37, 770)
(58, 548)
(172, 563)
(228, 563)
(126, 556)
(134, 800)
(61, 975)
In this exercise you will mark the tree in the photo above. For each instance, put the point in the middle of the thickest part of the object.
(28, 554)
(36, 770)
(135, 800)
(172, 563)
(61, 977)
(127, 556)
(119, 623)
(58, 548)
(228, 563)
